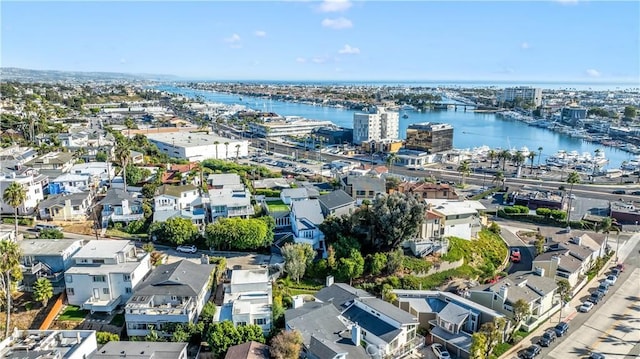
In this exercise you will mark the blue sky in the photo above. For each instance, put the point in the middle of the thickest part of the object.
(580, 41)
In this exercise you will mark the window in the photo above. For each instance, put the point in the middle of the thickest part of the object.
(260, 321)
(99, 278)
(70, 291)
(68, 279)
(76, 208)
(105, 290)
(128, 290)
(127, 277)
(241, 323)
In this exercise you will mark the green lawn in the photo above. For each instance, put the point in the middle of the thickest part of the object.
(112, 232)
(277, 206)
(73, 313)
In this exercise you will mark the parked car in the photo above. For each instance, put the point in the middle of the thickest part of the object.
(619, 191)
(440, 351)
(603, 288)
(531, 352)
(547, 338)
(620, 266)
(616, 272)
(561, 328)
(585, 307)
(636, 193)
(596, 355)
(187, 248)
(611, 279)
(515, 255)
(596, 297)
(40, 227)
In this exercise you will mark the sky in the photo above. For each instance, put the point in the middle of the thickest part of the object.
(567, 40)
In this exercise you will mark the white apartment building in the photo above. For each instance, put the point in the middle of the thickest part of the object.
(45, 344)
(527, 94)
(248, 298)
(33, 184)
(375, 126)
(198, 146)
(458, 218)
(286, 126)
(104, 274)
(100, 171)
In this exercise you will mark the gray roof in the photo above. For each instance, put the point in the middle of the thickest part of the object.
(174, 191)
(525, 285)
(336, 199)
(308, 209)
(340, 295)
(367, 182)
(324, 349)
(102, 249)
(248, 350)
(390, 310)
(183, 278)
(47, 247)
(59, 200)
(116, 196)
(295, 193)
(140, 350)
(372, 323)
(461, 340)
(454, 313)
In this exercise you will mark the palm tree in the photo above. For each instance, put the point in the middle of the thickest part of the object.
(391, 159)
(465, 170)
(519, 159)
(237, 152)
(532, 156)
(539, 154)
(15, 195)
(499, 178)
(123, 155)
(492, 156)
(504, 155)
(573, 178)
(10, 254)
(216, 143)
(226, 145)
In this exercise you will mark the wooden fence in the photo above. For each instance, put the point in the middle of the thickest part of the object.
(53, 313)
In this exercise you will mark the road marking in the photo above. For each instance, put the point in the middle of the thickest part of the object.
(612, 326)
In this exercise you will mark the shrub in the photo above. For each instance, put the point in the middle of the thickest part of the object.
(267, 192)
(558, 214)
(135, 227)
(495, 228)
(545, 212)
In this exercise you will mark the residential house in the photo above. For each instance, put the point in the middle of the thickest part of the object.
(141, 350)
(343, 317)
(363, 187)
(306, 217)
(368, 170)
(248, 350)
(178, 201)
(120, 206)
(177, 173)
(61, 161)
(336, 203)
(100, 172)
(136, 157)
(539, 199)
(459, 218)
(48, 258)
(66, 207)
(33, 184)
(71, 183)
(537, 291)
(173, 293)
(428, 190)
(8, 233)
(14, 156)
(230, 202)
(105, 274)
(624, 212)
(224, 180)
(289, 195)
(450, 319)
(429, 237)
(44, 344)
(248, 298)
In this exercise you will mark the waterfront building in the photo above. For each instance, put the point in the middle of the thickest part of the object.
(376, 126)
(572, 114)
(334, 135)
(385, 145)
(286, 126)
(430, 137)
(524, 93)
(199, 146)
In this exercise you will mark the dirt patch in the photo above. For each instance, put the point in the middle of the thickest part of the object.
(85, 227)
(26, 313)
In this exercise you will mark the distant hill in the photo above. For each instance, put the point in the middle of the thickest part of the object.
(27, 75)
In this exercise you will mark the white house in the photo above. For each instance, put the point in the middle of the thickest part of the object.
(58, 344)
(104, 274)
(248, 298)
(176, 197)
(31, 182)
(289, 195)
(198, 146)
(100, 171)
(120, 206)
(458, 218)
(306, 217)
(74, 183)
(229, 203)
(173, 293)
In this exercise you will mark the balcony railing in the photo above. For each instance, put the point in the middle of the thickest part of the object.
(408, 347)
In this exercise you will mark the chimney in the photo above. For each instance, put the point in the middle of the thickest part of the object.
(204, 259)
(504, 291)
(356, 334)
(329, 281)
(298, 301)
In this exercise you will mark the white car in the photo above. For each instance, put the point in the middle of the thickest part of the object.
(585, 307)
(187, 249)
(611, 279)
(440, 351)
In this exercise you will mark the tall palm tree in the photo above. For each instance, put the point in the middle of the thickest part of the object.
(504, 155)
(10, 254)
(123, 155)
(519, 159)
(465, 170)
(573, 178)
(532, 156)
(15, 195)
(499, 178)
(226, 145)
(216, 143)
(539, 154)
(237, 152)
(492, 156)
(391, 159)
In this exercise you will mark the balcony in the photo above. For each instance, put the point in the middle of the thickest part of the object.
(100, 305)
(415, 343)
(185, 308)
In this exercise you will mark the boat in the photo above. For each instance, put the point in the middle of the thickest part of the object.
(405, 115)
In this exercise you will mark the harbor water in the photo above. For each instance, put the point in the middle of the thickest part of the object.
(471, 129)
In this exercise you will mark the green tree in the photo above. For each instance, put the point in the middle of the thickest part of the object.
(175, 230)
(297, 257)
(494, 333)
(180, 334)
(531, 156)
(377, 262)
(105, 337)
(518, 159)
(394, 260)
(240, 234)
(148, 247)
(479, 346)
(223, 335)
(564, 290)
(15, 195)
(351, 267)
(50, 234)
(135, 174)
(504, 155)
(395, 218)
(286, 345)
(539, 244)
(574, 177)
(149, 190)
(101, 157)
(492, 156)
(521, 310)
(499, 178)
(208, 312)
(392, 158)
(630, 112)
(465, 170)
(10, 254)
(43, 291)
(123, 155)
(539, 154)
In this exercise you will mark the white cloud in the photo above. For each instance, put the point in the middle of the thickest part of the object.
(525, 45)
(319, 60)
(123, 61)
(337, 24)
(235, 38)
(301, 60)
(260, 33)
(334, 5)
(348, 50)
(592, 73)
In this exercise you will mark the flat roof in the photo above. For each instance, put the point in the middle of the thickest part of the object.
(41, 247)
(140, 350)
(242, 276)
(191, 139)
(102, 248)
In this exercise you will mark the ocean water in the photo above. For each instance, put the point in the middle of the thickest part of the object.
(470, 129)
